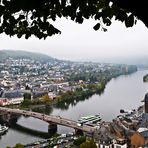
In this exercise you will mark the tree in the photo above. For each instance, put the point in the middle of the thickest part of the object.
(26, 103)
(18, 146)
(88, 144)
(79, 141)
(145, 78)
(58, 98)
(34, 17)
(46, 98)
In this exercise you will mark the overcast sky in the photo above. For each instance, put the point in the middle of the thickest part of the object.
(81, 42)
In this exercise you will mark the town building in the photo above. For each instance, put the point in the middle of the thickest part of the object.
(146, 103)
(139, 138)
(11, 97)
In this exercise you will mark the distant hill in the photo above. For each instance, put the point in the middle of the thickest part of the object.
(131, 60)
(17, 54)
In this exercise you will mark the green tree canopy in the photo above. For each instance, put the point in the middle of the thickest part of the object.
(34, 17)
(79, 141)
(18, 146)
(90, 143)
(26, 103)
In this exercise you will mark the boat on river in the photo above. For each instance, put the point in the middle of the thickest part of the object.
(3, 129)
(90, 119)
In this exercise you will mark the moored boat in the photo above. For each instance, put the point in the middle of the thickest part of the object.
(3, 129)
(90, 119)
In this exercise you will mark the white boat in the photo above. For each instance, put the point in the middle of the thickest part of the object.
(3, 129)
(90, 119)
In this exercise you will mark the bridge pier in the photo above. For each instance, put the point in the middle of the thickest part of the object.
(78, 132)
(13, 119)
(9, 118)
(52, 128)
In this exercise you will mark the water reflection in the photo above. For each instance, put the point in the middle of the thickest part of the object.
(73, 101)
(47, 109)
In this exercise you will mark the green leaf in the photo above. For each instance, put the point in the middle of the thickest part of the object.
(104, 29)
(107, 21)
(19, 35)
(97, 16)
(97, 26)
(21, 17)
(129, 22)
(1, 30)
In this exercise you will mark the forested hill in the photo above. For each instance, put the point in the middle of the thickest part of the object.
(17, 54)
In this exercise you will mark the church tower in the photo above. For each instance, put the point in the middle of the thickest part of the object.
(146, 103)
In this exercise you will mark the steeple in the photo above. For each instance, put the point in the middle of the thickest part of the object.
(146, 103)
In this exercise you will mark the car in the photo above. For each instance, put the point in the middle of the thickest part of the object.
(79, 124)
(68, 122)
(44, 145)
(60, 141)
(63, 135)
(37, 142)
(66, 140)
(75, 138)
(71, 133)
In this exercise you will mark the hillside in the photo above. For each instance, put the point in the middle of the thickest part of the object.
(16, 54)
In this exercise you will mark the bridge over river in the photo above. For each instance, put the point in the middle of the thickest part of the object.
(51, 119)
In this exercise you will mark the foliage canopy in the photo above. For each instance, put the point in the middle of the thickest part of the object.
(89, 143)
(18, 146)
(34, 17)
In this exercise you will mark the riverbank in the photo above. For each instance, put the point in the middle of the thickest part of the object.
(84, 90)
(145, 78)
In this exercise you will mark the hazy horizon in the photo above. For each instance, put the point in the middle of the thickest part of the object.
(79, 42)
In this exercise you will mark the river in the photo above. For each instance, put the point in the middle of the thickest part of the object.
(123, 92)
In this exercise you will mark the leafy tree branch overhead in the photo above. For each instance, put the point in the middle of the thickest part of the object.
(34, 17)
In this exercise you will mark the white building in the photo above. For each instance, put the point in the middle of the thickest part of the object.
(11, 97)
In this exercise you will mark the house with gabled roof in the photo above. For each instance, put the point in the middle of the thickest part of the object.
(11, 97)
(139, 138)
